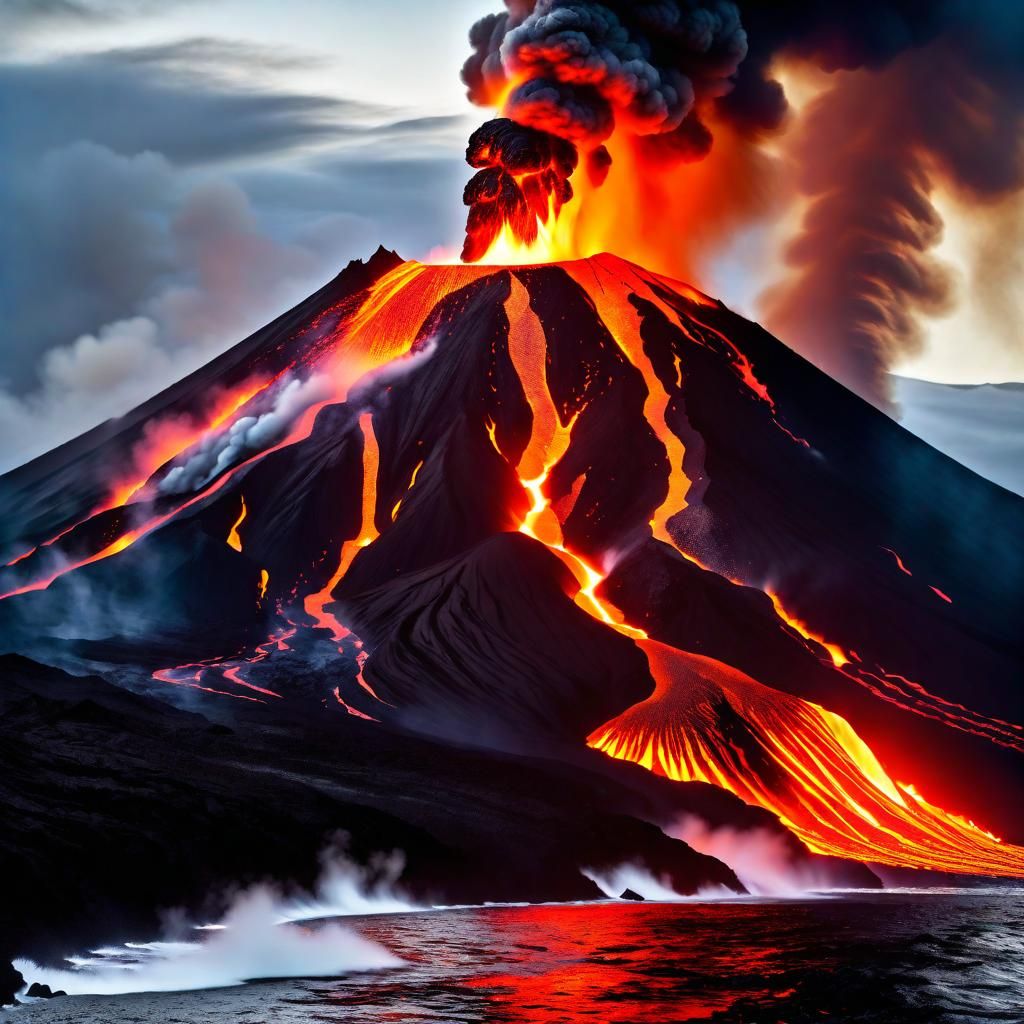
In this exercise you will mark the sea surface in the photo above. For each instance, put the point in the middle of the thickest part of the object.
(892, 957)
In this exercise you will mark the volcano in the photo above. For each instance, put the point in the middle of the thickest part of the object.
(506, 565)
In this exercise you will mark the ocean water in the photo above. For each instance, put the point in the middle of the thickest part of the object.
(893, 957)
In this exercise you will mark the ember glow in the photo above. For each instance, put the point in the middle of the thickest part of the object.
(705, 721)
(316, 604)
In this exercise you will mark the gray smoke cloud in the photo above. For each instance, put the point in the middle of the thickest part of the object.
(572, 72)
(246, 436)
(150, 229)
(578, 69)
(922, 96)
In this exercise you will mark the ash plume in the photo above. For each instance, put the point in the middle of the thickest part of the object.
(918, 98)
(924, 98)
(574, 72)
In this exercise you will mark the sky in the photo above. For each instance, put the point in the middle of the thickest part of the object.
(178, 172)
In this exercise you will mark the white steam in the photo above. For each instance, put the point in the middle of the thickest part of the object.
(760, 859)
(613, 882)
(345, 889)
(247, 435)
(252, 944)
(258, 938)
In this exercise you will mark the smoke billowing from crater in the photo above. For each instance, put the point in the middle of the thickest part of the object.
(524, 174)
(572, 74)
(914, 99)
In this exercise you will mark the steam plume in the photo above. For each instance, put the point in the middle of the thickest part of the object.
(929, 101)
(257, 938)
(761, 859)
(614, 881)
(247, 434)
(252, 944)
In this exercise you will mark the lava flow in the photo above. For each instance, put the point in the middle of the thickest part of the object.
(707, 722)
(549, 440)
(316, 604)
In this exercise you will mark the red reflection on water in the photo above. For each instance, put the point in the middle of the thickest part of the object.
(594, 962)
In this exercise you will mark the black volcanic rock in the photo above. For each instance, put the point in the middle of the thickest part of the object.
(491, 647)
(40, 991)
(629, 894)
(11, 982)
(441, 700)
(155, 807)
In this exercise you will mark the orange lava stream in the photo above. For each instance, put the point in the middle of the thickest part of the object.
(234, 675)
(355, 712)
(609, 282)
(359, 348)
(167, 442)
(164, 675)
(835, 652)
(549, 441)
(899, 562)
(234, 539)
(903, 692)
(129, 537)
(196, 670)
(708, 722)
(316, 604)
(611, 298)
(800, 761)
(942, 595)
(387, 323)
(412, 483)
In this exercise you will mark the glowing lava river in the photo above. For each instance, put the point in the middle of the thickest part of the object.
(575, 518)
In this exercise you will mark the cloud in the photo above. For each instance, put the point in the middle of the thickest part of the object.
(195, 102)
(32, 12)
(193, 276)
(164, 201)
(27, 20)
